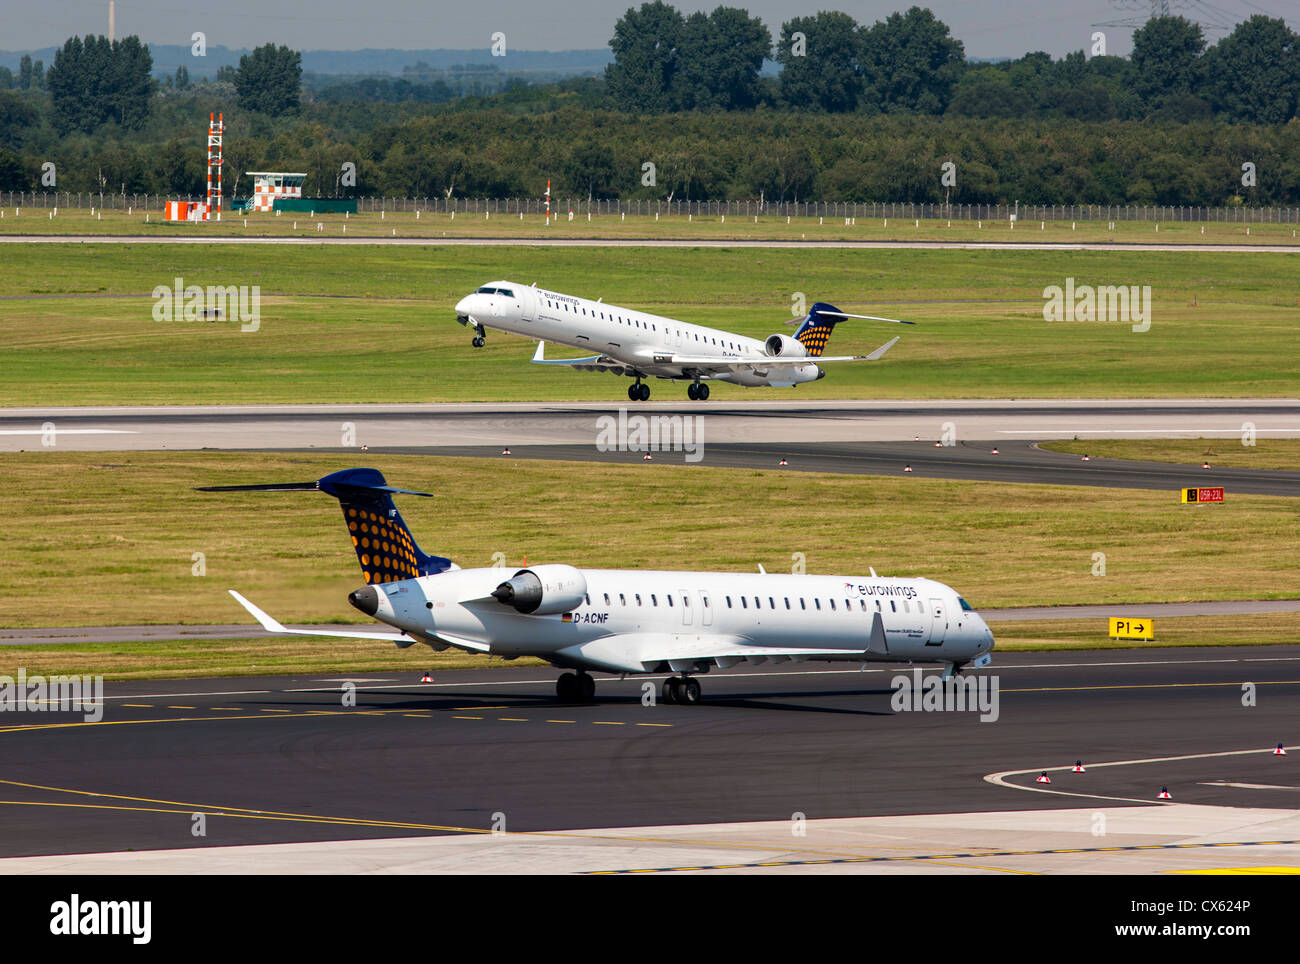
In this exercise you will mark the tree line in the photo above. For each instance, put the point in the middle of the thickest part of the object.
(857, 113)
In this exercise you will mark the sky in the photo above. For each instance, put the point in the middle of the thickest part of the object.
(988, 28)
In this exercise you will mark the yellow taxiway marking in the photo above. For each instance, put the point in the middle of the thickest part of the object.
(467, 717)
(1145, 686)
(265, 710)
(182, 707)
(652, 724)
(1241, 871)
(420, 716)
(561, 721)
(511, 719)
(608, 723)
(139, 706)
(233, 708)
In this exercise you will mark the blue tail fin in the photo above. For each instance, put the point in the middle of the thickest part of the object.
(817, 327)
(385, 547)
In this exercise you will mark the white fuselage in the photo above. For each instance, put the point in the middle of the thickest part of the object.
(641, 341)
(626, 620)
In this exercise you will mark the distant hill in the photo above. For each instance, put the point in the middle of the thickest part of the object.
(370, 62)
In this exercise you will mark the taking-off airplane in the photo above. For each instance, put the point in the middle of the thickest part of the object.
(643, 346)
(631, 621)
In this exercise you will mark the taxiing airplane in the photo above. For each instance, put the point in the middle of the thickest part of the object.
(631, 621)
(643, 346)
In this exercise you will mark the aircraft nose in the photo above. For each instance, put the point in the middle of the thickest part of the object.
(366, 599)
(462, 306)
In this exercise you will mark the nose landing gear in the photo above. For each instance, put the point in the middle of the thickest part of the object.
(480, 336)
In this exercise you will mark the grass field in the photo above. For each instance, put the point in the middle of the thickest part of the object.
(405, 224)
(94, 542)
(376, 323)
(125, 532)
(1266, 453)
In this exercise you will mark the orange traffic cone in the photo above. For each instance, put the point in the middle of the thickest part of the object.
(1280, 751)
(784, 462)
(1205, 465)
(1078, 767)
(426, 678)
(648, 458)
(1043, 778)
(1085, 458)
(506, 450)
(1163, 794)
(907, 468)
(995, 450)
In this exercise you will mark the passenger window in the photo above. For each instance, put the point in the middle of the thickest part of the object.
(606, 599)
(818, 604)
(638, 599)
(744, 603)
(586, 598)
(862, 604)
(802, 604)
(832, 605)
(669, 597)
(787, 602)
(893, 606)
(758, 604)
(771, 603)
(654, 600)
(622, 600)
(728, 602)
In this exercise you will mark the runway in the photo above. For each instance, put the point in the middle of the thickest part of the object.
(430, 240)
(271, 761)
(991, 441)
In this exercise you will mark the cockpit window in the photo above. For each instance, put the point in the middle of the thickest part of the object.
(965, 606)
(505, 291)
(486, 291)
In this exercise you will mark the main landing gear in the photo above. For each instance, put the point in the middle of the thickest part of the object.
(681, 689)
(638, 391)
(480, 336)
(697, 392)
(575, 688)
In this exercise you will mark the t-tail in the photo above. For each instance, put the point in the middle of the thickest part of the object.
(815, 329)
(384, 545)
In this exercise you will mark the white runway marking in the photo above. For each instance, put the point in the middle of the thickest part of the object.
(1000, 779)
(68, 431)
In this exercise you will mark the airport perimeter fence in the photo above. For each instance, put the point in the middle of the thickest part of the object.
(581, 207)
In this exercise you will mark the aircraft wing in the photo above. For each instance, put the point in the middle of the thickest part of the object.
(763, 362)
(640, 652)
(587, 363)
(274, 626)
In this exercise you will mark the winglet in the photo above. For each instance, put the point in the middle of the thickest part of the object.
(875, 355)
(268, 622)
(540, 354)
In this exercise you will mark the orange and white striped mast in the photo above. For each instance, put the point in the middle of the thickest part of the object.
(548, 200)
(216, 128)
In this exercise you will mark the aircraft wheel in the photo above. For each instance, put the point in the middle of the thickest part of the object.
(645, 392)
(702, 393)
(634, 392)
(478, 341)
(670, 688)
(586, 688)
(566, 687)
(692, 392)
(690, 691)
